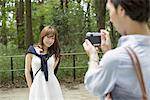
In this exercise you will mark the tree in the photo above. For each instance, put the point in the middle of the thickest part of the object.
(64, 4)
(87, 16)
(28, 35)
(4, 18)
(100, 12)
(41, 17)
(20, 23)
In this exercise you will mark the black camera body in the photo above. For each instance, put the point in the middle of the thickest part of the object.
(94, 38)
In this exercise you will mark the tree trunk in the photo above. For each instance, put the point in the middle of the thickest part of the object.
(88, 17)
(20, 23)
(100, 12)
(28, 35)
(3, 29)
(64, 4)
(41, 18)
(79, 1)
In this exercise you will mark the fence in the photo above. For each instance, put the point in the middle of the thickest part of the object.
(65, 61)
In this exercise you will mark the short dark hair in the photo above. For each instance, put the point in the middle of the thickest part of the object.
(138, 10)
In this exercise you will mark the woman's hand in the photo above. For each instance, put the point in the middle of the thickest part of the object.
(105, 41)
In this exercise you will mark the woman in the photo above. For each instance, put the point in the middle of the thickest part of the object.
(42, 59)
(115, 72)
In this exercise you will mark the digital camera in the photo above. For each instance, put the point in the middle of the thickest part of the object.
(94, 38)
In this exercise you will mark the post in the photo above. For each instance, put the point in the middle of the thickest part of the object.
(12, 73)
(74, 70)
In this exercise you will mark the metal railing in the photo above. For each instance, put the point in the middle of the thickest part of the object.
(74, 67)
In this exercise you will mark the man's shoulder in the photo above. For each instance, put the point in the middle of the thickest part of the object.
(114, 55)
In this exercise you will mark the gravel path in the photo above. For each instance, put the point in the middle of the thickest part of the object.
(77, 92)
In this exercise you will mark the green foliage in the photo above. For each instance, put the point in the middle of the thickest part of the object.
(10, 49)
(72, 24)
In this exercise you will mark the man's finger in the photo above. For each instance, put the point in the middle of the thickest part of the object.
(102, 39)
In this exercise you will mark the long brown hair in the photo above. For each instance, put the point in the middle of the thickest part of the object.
(54, 49)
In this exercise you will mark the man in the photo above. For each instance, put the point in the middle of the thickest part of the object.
(115, 72)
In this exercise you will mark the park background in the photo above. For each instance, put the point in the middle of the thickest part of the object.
(22, 20)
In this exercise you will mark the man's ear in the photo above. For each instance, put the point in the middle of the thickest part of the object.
(121, 11)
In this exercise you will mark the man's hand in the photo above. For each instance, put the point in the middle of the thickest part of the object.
(91, 51)
(89, 48)
(105, 41)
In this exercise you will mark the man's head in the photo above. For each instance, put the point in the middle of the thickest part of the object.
(138, 10)
(124, 11)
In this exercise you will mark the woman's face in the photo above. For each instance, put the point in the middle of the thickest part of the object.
(48, 40)
(115, 16)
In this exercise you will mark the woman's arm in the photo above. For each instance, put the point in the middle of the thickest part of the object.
(28, 60)
(56, 62)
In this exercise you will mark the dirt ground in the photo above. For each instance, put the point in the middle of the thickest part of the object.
(76, 92)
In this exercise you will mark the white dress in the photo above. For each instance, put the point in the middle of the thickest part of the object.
(40, 88)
